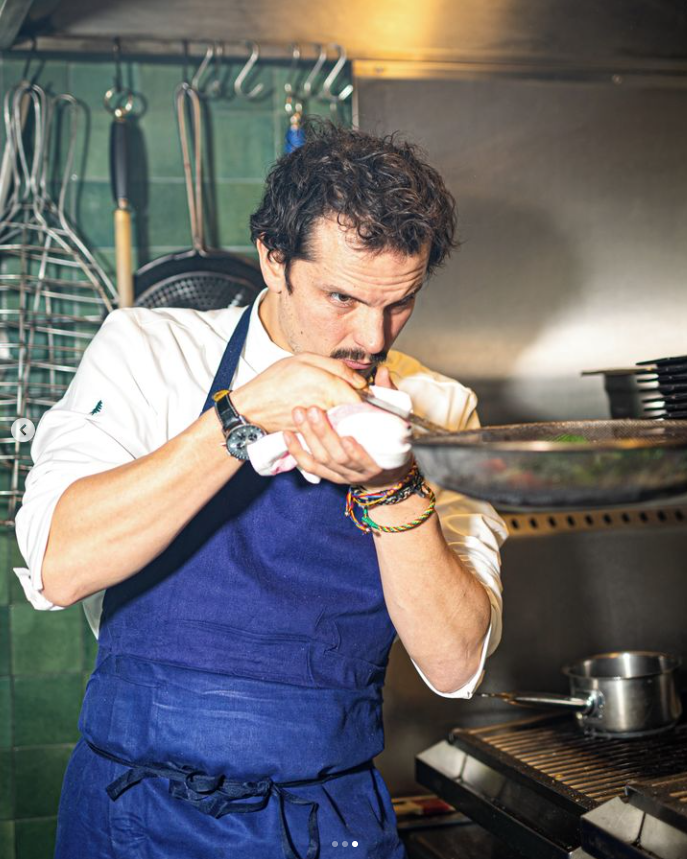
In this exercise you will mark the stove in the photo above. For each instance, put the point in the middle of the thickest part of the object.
(550, 791)
(649, 821)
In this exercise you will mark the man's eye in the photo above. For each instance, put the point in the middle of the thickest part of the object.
(340, 298)
(406, 301)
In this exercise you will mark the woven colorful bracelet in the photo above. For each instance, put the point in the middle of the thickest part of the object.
(396, 529)
(413, 483)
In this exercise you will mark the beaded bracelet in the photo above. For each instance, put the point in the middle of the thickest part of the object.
(413, 483)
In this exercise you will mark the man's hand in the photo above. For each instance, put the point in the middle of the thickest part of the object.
(304, 380)
(336, 458)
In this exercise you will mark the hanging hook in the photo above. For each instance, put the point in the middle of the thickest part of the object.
(185, 59)
(33, 54)
(117, 51)
(333, 75)
(316, 69)
(118, 101)
(216, 87)
(200, 71)
(293, 103)
(290, 89)
(246, 70)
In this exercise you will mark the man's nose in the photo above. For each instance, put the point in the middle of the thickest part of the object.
(371, 332)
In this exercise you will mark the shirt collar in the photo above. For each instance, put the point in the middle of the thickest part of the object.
(260, 352)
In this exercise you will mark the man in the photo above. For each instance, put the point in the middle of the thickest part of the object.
(245, 622)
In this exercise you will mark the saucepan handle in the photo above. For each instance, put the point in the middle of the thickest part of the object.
(543, 699)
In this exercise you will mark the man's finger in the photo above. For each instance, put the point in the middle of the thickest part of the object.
(307, 462)
(327, 437)
(314, 443)
(383, 378)
(357, 453)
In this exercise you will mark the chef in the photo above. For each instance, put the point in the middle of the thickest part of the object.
(245, 622)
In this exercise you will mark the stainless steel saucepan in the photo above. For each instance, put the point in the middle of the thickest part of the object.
(626, 694)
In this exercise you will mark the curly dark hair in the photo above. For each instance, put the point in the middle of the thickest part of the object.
(382, 187)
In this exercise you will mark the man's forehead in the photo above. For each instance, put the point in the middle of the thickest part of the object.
(329, 235)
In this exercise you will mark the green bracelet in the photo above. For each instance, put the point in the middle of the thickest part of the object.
(396, 529)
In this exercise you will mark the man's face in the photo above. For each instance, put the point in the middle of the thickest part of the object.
(346, 302)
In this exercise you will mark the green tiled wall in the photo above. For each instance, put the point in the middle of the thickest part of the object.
(46, 657)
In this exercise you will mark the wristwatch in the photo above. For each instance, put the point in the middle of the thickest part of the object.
(238, 432)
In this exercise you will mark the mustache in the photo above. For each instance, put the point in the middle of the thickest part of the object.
(359, 356)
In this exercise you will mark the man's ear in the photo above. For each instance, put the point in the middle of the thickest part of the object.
(273, 272)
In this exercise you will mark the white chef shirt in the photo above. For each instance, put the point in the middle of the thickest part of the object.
(144, 378)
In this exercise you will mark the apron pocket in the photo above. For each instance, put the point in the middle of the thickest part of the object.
(277, 657)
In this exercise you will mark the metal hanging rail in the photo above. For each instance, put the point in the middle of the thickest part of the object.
(630, 71)
(139, 48)
(633, 71)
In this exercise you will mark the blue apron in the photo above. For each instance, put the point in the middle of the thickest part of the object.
(236, 703)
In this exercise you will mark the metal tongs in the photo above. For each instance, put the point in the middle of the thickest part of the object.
(413, 419)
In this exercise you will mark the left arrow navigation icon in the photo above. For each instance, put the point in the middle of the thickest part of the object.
(23, 429)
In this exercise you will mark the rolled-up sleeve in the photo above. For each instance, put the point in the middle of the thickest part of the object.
(475, 532)
(473, 529)
(105, 419)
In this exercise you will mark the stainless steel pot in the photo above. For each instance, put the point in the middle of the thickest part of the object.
(627, 694)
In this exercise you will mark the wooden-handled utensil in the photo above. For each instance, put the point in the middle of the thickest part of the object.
(119, 173)
(120, 103)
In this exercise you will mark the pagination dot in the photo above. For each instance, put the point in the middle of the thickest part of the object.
(335, 843)
(354, 843)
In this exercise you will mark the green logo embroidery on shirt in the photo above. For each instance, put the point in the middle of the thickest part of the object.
(98, 407)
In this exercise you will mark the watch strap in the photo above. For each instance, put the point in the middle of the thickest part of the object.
(228, 416)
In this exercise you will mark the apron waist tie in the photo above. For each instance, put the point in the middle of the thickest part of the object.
(218, 795)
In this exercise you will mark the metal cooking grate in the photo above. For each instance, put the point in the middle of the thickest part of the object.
(665, 798)
(559, 757)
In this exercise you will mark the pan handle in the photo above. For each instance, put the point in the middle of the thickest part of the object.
(544, 699)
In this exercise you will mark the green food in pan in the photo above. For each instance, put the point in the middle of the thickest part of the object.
(572, 438)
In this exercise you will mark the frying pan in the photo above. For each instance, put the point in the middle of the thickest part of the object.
(560, 464)
(200, 278)
(631, 693)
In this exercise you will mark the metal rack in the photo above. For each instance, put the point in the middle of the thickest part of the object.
(53, 293)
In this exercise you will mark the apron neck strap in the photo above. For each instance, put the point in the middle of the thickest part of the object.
(230, 359)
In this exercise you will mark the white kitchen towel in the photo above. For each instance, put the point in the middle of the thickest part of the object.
(384, 436)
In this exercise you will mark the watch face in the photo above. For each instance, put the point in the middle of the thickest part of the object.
(240, 437)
